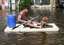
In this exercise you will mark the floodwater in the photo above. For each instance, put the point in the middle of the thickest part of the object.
(40, 38)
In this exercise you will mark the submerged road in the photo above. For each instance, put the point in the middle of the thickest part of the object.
(56, 16)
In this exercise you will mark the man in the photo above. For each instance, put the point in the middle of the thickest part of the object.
(23, 18)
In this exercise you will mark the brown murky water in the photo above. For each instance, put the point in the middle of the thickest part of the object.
(39, 38)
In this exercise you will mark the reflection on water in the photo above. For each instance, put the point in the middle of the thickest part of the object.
(39, 38)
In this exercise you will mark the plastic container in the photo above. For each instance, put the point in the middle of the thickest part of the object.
(11, 20)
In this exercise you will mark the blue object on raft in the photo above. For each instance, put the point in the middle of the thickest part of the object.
(11, 20)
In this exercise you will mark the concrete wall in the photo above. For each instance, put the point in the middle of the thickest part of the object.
(51, 4)
(13, 4)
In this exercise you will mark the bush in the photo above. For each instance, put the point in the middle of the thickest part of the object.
(24, 4)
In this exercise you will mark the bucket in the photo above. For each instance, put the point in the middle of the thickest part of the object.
(11, 20)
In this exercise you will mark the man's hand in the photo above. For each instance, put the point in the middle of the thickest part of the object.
(32, 18)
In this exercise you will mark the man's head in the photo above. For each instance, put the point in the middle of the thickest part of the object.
(45, 18)
(25, 10)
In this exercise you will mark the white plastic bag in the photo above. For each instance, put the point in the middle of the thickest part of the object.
(6, 3)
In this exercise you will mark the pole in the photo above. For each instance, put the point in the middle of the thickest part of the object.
(10, 7)
(3, 10)
(16, 1)
(34, 3)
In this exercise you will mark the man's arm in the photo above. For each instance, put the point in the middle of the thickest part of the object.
(29, 17)
(20, 20)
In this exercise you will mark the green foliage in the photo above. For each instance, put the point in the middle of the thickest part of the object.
(23, 4)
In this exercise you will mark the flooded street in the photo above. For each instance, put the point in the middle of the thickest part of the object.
(39, 38)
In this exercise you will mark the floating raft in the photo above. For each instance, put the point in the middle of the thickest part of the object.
(21, 28)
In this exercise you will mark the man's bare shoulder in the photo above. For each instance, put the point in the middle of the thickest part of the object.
(21, 12)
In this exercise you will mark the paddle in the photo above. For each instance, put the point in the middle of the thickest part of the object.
(27, 21)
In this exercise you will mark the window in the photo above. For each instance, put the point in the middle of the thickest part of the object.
(46, 2)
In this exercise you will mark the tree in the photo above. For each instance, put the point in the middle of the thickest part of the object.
(24, 4)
